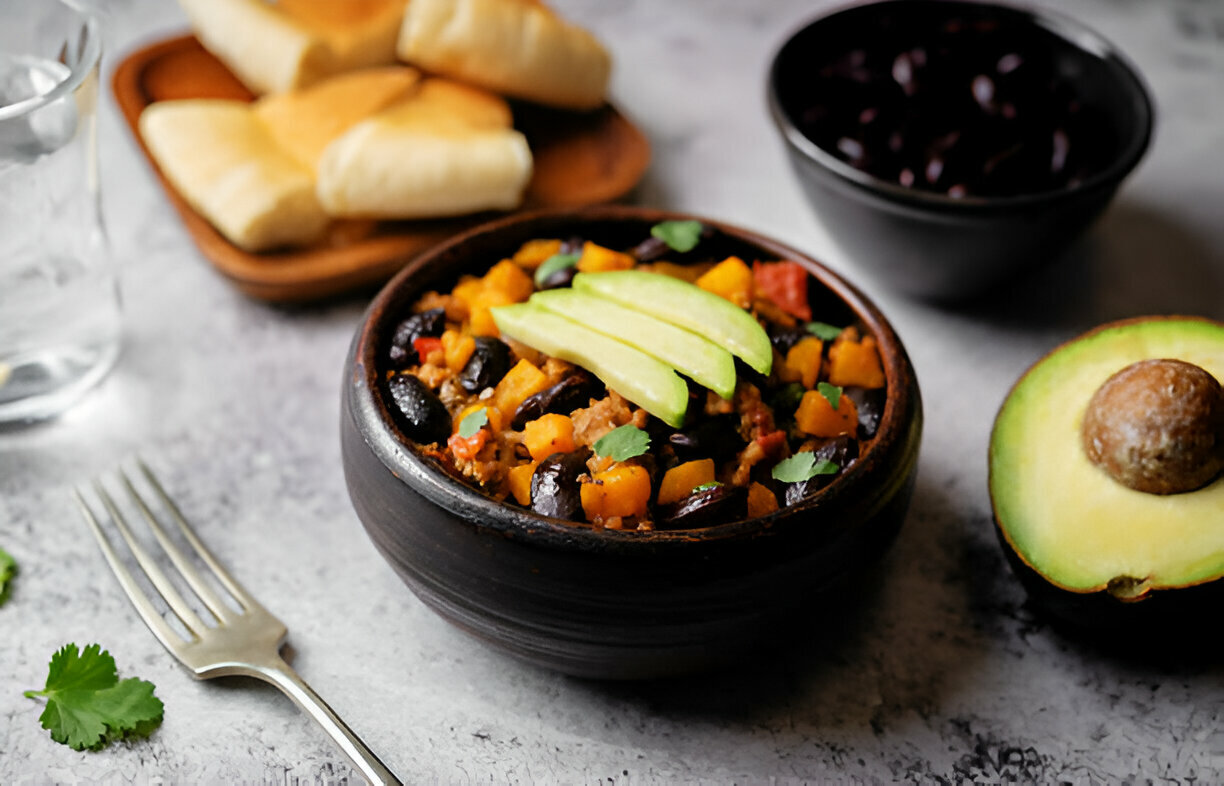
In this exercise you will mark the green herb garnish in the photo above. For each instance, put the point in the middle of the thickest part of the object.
(832, 393)
(802, 466)
(8, 569)
(553, 264)
(823, 330)
(713, 484)
(88, 706)
(623, 442)
(473, 422)
(680, 236)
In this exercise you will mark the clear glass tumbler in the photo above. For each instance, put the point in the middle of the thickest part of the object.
(59, 291)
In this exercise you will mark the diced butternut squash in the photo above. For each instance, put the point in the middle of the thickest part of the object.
(856, 363)
(816, 416)
(549, 434)
(533, 253)
(467, 289)
(509, 280)
(803, 361)
(521, 381)
(457, 349)
(492, 413)
(730, 279)
(679, 481)
(623, 490)
(519, 480)
(596, 259)
(761, 501)
(481, 322)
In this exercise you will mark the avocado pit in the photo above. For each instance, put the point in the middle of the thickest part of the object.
(1157, 426)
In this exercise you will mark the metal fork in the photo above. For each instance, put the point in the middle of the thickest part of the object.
(245, 642)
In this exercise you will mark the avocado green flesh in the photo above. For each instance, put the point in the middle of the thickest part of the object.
(1068, 519)
(639, 377)
(700, 359)
(686, 306)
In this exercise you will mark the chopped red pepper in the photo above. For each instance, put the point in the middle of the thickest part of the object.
(425, 345)
(785, 283)
(772, 443)
(466, 448)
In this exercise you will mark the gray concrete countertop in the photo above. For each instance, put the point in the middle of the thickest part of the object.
(944, 674)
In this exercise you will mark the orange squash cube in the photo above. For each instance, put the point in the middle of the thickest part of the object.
(519, 480)
(533, 253)
(679, 481)
(856, 363)
(621, 491)
(549, 434)
(803, 361)
(457, 349)
(730, 279)
(521, 381)
(816, 416)
(761, 501)
(597, 259)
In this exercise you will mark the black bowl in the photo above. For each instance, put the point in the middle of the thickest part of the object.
(989, 213)
(603, 603)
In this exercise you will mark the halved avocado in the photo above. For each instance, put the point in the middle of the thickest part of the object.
(1089, 547)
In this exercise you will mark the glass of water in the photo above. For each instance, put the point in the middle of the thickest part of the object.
(59, 293)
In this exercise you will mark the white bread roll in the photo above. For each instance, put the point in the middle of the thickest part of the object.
(219, 156)
(515, 47)
(274, 47)
(446, 151)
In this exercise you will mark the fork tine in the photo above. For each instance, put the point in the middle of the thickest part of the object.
(163, 585)
(236, 590)
(144, 607)
(193, 578)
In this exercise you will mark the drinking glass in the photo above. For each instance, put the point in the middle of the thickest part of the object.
(59, 291)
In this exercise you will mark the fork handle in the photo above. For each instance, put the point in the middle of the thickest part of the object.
(282, 675)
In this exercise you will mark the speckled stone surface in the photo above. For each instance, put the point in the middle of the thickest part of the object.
(941, 674)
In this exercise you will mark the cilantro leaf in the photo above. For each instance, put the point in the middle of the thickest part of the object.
(832, 393)
(823, 330)
(88, 706)
(802, 466)
(680, 236)
(8, 569)
(552, 265)
(713, 484)
(473, 422)
(623, 442)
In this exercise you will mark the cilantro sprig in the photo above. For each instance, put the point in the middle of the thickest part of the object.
(88, 706)
(553, 264)
(832, 393)
(8, 569)
(680, 236)
(472, 422)
(823, 330)
(623, 442)
(802, 466)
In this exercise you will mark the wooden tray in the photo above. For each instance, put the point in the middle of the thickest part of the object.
(580, 159)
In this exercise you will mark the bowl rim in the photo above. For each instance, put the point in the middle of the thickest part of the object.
(396, 453)
(1076, 34)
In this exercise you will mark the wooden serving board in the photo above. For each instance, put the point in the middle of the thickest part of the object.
(580, 159)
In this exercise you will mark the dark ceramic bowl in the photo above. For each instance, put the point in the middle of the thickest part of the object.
(854, 130)
(602, 603)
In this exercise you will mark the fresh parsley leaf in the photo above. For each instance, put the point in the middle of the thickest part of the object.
(680, 236)
(473, 422)
(832, 393)
(552, 265)
(802, 466)
(713, 484)
(88, 706)
(623, 442)
(823, 330)
(8, 569)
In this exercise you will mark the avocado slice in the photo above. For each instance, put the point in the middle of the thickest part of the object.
(688, 306)
(1071, 527)
(639, 377)
(698, 358)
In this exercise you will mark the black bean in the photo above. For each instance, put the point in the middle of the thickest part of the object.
(559, 278)
(717, 505)
(573, 392)
(870, 406)
(717, 438)
(488, 364)
(419, 412)
(427, 323)
(555, 490)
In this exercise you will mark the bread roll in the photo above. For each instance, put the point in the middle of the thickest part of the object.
(515, 47)
(277, 46)
(447, 150)
(219, 156)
